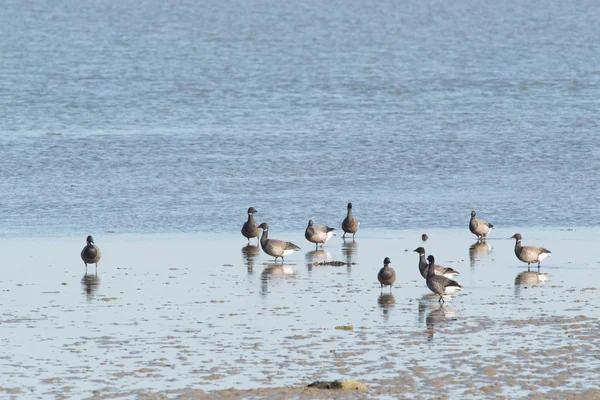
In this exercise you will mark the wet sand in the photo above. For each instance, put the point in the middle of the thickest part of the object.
(193, 316)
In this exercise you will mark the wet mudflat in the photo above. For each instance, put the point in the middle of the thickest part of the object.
(192, 316)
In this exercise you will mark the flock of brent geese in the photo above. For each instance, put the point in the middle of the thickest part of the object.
(438, 278)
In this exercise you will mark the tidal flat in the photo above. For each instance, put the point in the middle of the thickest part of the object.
(207, 316)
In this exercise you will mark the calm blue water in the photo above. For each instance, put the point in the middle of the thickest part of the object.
(178, 116)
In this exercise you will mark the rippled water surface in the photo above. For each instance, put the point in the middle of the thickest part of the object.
(158, 117)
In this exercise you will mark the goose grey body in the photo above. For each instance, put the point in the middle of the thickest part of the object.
(386, 275)
(318, 234)
(273, 247)
(479, 227)
(250, 228)
(529, 254)
(439, 284)
(438, 269)
(350, 224)
(90, 254)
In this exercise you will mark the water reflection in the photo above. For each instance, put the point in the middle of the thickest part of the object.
(90, 284)
(316, 256)
(271, 272)
(386, 302)
(529, 278)
(479, 250)
(425, 303)
(349, 250)
(250, 254)
(439, 315)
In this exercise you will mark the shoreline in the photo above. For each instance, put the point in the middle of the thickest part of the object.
(363, 233)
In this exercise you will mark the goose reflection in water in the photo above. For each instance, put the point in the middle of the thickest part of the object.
(90, 283)
(439, 316)
(528, 279)
(250, 254)
(386, 302)
(273, 271)
(434, 314)
(349, 250)
(316, 256)
(426, 302)
(479, 250)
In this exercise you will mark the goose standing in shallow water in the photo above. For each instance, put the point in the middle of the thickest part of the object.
(250, 228)
(438, 269)
(91, 254)
(439, 284)
(479, 227)
(350, 224)
(318, 234)
(529, 254)
(273, 247)
(386, 275)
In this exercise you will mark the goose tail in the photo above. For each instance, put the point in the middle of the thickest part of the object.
(292, 246)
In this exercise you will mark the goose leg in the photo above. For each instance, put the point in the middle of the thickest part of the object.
(316, 246)
(344, 235)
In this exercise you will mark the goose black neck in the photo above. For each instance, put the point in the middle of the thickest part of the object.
(422, 262)
(430, 270)
(264, 237)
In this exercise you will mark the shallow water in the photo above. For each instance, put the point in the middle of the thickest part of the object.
(155, 125)
(182, 312)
